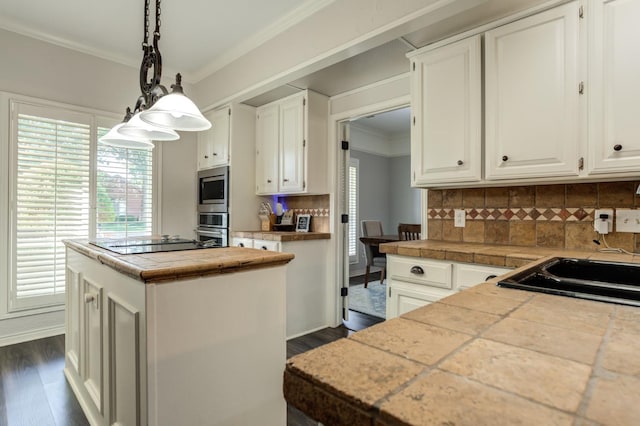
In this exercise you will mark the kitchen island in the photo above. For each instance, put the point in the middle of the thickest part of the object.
(485, 355)
(182, 337)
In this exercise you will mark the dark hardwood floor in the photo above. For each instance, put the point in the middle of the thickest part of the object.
(34, 391)
(33, 388)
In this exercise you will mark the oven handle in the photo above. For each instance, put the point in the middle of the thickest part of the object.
(209, 233)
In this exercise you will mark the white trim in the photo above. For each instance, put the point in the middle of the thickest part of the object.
(322, 327)
(292, 18)
(370, 86)
(31, 335)
(491, 25)
(335, 121)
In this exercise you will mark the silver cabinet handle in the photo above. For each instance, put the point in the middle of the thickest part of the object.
(417, 270)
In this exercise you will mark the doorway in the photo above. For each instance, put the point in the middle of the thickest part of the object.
(376, 187)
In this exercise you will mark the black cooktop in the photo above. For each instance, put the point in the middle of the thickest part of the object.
(149, 245)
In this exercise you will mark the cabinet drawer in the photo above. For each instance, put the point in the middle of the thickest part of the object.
(419, 271)
(468, 275)
(266, 245)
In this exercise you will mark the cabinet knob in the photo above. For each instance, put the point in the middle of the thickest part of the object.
(617, 147)
(285, 180)
(89, 298)
(206, 156)
(460, 162)
(417, 270)
(264, 247)
(505, 158)
(215, 153)
(490, 277)
(268, 180)
(240, 244)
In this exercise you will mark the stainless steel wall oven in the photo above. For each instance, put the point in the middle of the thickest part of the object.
(213, 207)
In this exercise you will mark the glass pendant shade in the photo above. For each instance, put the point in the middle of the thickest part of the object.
(176, 111)
(114, 138)
(140, 130)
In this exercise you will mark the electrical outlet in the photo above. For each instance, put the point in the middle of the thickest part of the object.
(598, 225)
(459, 216)
(627, 220)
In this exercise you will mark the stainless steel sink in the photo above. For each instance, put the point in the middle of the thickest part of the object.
(613, 282)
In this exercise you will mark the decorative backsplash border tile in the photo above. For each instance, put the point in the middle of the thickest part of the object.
(313, 212)
(575, 214)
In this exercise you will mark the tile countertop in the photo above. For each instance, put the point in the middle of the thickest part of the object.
(486, 355)
(177, 265)
(282, 236)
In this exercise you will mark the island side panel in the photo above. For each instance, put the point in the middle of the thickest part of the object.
(217, 350)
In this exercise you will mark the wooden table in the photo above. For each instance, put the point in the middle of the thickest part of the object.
(375, 241)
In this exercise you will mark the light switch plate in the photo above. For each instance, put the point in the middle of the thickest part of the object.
(459, 218)
(627, 220)
(597, 220)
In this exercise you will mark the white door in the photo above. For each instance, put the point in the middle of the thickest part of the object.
(292, 145)
(531, 95)
(614, 67)
(446, 134)
(267, 135)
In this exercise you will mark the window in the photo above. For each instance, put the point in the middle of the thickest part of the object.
(124, 191)
(353, 210)
(59, 171)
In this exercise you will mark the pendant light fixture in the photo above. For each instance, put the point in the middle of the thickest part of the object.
(157, 114)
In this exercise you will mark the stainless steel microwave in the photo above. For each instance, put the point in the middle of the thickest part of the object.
(213, 190)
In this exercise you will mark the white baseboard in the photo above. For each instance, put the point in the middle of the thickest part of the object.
(313, 330)
(31, 335)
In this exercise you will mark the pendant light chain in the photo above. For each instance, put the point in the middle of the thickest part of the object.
(157, 114)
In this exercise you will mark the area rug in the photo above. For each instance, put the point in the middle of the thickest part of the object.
(371, 300)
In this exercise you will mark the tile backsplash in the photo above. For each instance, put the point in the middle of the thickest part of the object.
(559, 216)
(315, 205)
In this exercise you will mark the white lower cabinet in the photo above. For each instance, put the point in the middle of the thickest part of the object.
(307, 296)
(104, 350)
(414, 282)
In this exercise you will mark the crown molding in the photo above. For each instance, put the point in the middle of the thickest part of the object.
(294, 17)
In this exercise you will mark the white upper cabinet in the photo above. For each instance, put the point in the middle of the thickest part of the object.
(532, 96)
(291, 145)
(267, 140)
(213, 144)
(446, 135)
(614, 90)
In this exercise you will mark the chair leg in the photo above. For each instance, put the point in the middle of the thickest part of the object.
(382, 275)
(366, 276)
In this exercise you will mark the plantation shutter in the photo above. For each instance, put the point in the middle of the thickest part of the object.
(124, 193)
(353, 211)
(51, 190)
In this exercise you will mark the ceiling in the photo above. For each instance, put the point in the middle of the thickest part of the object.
(200, 36)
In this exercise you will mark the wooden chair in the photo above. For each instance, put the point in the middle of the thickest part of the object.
(373, 228)
(409, 231)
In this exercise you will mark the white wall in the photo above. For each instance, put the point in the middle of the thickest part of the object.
(34, 68)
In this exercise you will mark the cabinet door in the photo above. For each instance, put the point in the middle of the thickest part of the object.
(267, 135)
(242, 242)
(404, 297)
(92, 341)
(72, 336)
(532, 93)
(614, 67)
(213, 144)
(292, 145)
(124, 363)
(447, 108)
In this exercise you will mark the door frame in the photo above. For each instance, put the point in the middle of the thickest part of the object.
(339, 207)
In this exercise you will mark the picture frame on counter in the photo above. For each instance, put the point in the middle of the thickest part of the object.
(303, 223)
